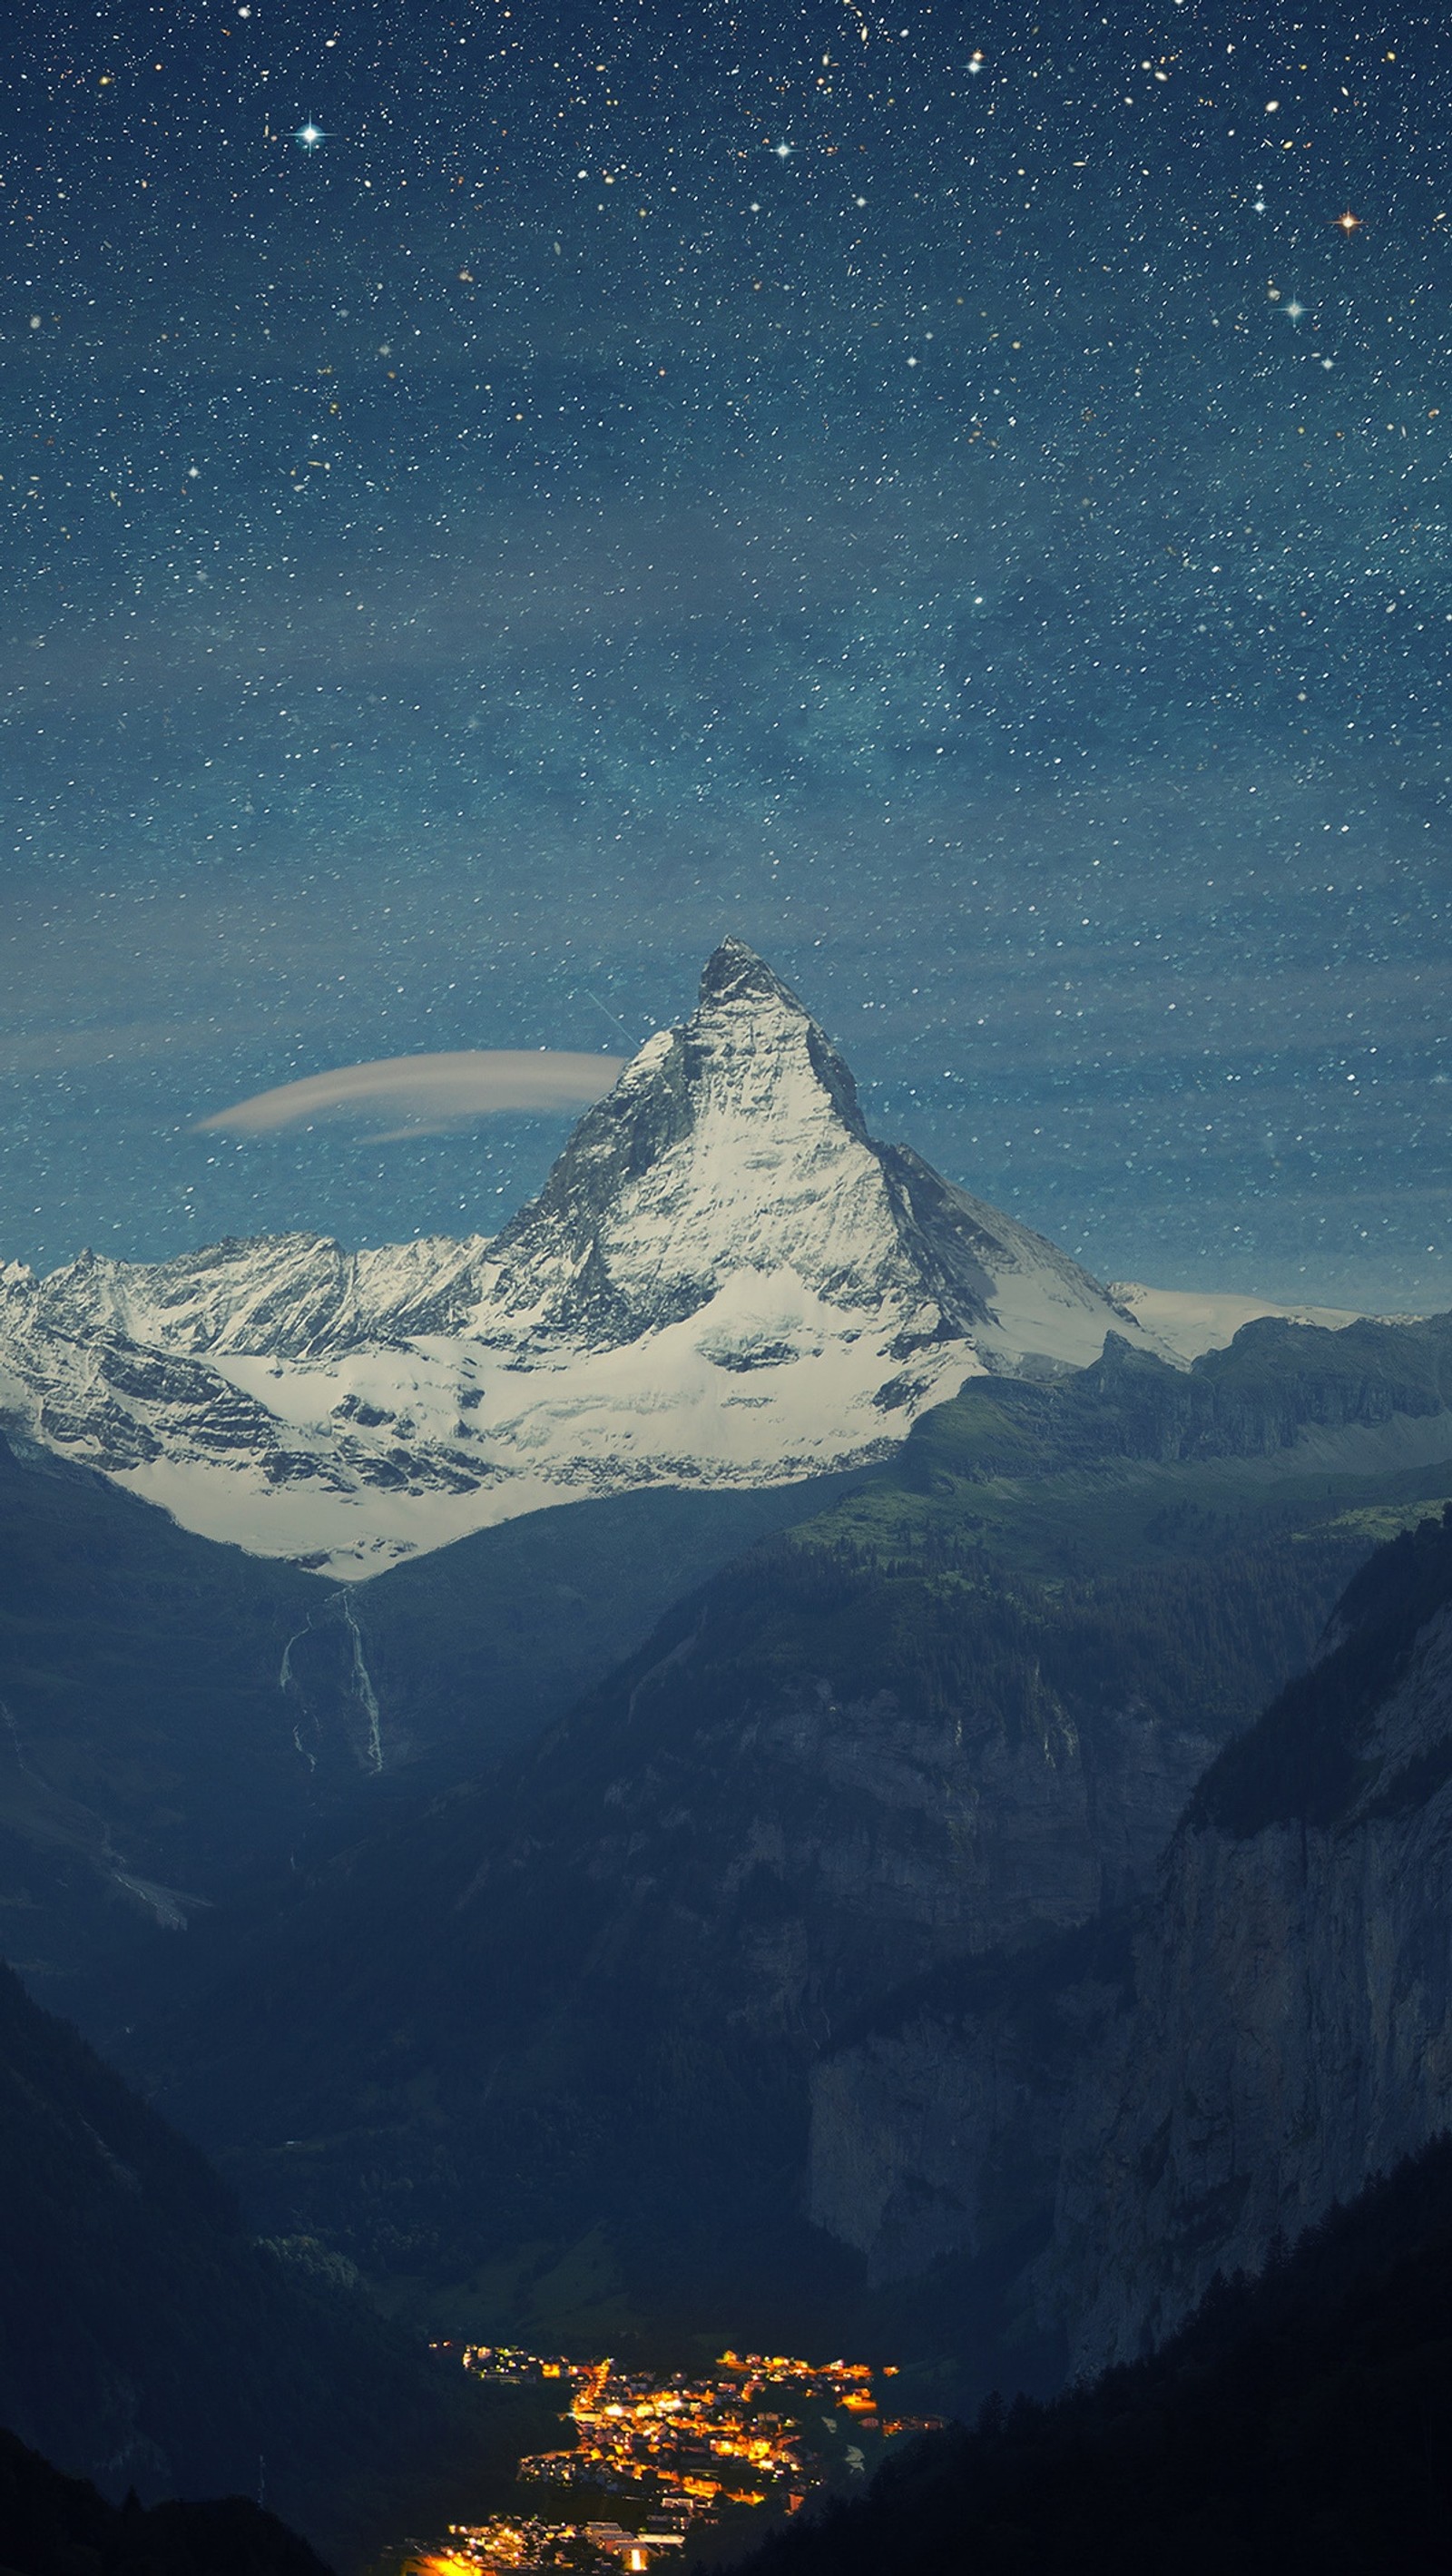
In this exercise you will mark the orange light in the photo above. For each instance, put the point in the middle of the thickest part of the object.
(1348, 223)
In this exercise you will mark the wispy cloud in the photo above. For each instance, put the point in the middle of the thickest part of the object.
(425, 1094)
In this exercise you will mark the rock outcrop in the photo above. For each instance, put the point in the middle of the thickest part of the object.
(1167, 2093)
(1290, 2034)
(937, 2126)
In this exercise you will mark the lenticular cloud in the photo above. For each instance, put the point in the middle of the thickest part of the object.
(425, 1093)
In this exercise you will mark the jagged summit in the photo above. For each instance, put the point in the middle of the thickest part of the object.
(725, 1278)
(732, 1146)
(733, 972)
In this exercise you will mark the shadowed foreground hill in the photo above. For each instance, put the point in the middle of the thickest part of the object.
(57, 2526)
(146, 2341)
(176, 1716)
(539, 2058)
(1300, 2425)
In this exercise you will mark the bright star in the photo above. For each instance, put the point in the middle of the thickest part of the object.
(309, 136)
(1348, 223)
(1293, 310)
(783, 151)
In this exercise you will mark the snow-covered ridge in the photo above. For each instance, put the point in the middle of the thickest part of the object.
(1189, 1322)
(724, 1280)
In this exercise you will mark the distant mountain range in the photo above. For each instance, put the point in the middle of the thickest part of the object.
(724, 1282)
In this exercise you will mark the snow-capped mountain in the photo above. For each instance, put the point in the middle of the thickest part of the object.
(725, 1280)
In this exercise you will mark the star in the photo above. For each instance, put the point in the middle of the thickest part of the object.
(1348, 223)
(783, 151)
(309, 136)
(1293, 310)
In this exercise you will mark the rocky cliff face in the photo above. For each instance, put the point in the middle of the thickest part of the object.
(583, 2003)
(1290, 2033)
(1163, 2094)
(937, 2128)
(725, 1281)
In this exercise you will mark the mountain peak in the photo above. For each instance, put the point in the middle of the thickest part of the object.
(731, 1147)
(728, 1190)
(734, 973)
(724, 1280)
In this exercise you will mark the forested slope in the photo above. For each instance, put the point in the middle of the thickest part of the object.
(52, 2525)
(147, 2341)
(1300, 2425)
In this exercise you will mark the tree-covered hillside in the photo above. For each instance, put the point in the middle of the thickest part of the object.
(52, 2525)
(1301, 2425)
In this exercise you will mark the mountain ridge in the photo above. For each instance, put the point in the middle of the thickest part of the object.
(724, 1281)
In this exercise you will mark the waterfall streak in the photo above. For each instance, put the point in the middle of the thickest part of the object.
(363, 1685)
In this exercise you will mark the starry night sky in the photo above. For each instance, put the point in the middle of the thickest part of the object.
(935, 492)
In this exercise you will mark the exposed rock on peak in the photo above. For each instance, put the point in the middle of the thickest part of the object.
(731, 1146)
(734, 972)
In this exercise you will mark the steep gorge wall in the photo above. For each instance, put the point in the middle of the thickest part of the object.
(938, 2132)
(1290, 2035)
(1166, 2095)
